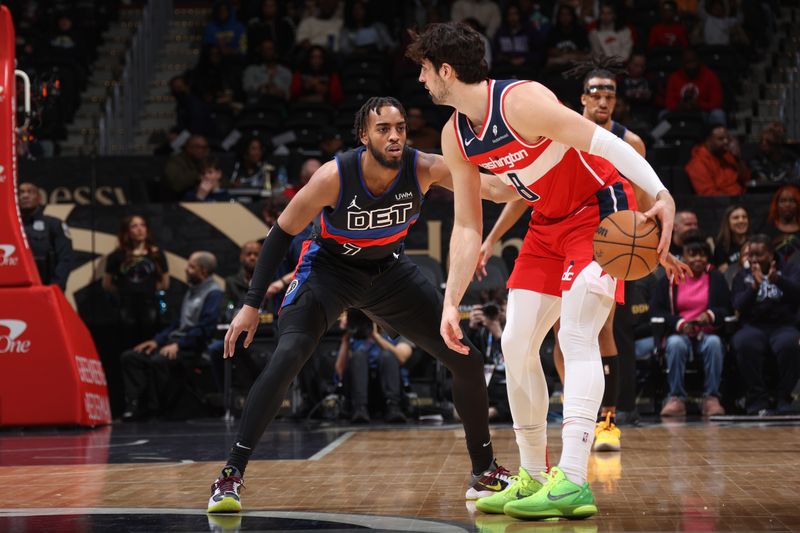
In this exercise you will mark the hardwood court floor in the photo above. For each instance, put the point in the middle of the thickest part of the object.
(684, 477)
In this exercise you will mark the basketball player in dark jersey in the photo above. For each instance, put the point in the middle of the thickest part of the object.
(598, 99)
(368, 199)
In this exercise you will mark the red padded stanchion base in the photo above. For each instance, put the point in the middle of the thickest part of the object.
(49, 370)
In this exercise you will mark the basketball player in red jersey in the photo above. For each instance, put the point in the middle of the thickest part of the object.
(598, 99)
(563, 165)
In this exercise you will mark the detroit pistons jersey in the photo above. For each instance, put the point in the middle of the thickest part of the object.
(553, 178)
(365, 226)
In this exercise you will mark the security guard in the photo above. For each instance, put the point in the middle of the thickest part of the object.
(48, 236)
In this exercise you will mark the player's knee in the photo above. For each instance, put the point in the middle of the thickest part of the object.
(577, 343)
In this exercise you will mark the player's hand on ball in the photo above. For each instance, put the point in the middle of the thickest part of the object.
(664, 211)
(676, 269)
(450, 329)
(245, 320)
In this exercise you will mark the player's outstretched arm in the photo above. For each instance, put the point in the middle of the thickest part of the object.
(432, 170)
(534, 112)
(508, 217)
(320, 191)
(465, 241)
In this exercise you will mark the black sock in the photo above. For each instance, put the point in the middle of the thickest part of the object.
(611, 374)
(239, 457)
(482, 457)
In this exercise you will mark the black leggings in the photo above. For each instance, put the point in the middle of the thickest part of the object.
(396, 295)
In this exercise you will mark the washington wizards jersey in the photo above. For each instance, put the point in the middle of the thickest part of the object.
(555, 179)
(364, 226)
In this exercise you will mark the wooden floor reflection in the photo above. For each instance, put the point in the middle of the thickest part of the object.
(667, 478)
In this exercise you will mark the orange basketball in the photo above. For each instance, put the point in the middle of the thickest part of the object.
(625, 245)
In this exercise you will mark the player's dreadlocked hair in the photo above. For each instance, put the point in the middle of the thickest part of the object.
(374, 104)
(599, 66)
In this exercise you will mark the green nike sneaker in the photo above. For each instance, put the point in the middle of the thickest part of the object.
(558, 498)
(521, 486)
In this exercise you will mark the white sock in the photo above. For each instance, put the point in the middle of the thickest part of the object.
(577, 435)
(532, 444)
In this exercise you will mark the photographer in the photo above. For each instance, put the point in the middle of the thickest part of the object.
(485, 331)
(692, 311)
(364, 354)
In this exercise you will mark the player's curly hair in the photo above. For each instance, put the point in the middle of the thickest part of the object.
(374, 104)
(598, 66)
(454, 43)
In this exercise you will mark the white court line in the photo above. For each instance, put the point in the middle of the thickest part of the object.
(330, 447)
(395, 523)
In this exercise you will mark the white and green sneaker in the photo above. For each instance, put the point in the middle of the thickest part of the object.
(521, 486)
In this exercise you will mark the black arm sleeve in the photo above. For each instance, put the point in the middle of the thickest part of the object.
(272, 253)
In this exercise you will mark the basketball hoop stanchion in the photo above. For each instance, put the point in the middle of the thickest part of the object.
(50, 373)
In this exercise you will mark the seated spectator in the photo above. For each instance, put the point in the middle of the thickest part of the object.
(717, 27)
(487, 45)
(210, 187)
(245, 367)
(783, 222)
(420, 135)
(485, 330)
(250, 169)
(669, 31)
(146, 367)
(330, 143)
(516, 43)
(766, 297)
(692, 311)
(316, 80)
(182, 171)
(534, 13)
(65, 42)
(135, 271)
(733, 233)
(272, 24)
(695, 87)
(192, 112)
(268, 78)
(774, 163)
(321, 28)
(636, 88)
(587, 11)
(225, 31)
(685, 221)
(217, 80)
(567, 41)
(306, 171)
(610, 37)
(715, 168)
(363, 349)
(361, 35)
(486, 12)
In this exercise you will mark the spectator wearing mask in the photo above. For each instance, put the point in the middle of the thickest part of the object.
(774, 163)
(135, 271)
(610, 37)
(146, 367)
(268, 79)
(766, 295)
(783, 223)
(322, 28)
(484, 11)
(716, 168)
(733, 233)
(692, 311)
(695, 87)
(669, 31)
(485, 330)
(225, 31)
(250, 167)
(361, 35)
(49, 238)
(210, 187)
(182, 171)
(316, 80)
(363, 352)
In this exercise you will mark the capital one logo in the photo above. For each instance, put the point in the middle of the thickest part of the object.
(10, 331)
(7, 255)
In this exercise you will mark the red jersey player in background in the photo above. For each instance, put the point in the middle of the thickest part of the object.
(563, 165)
